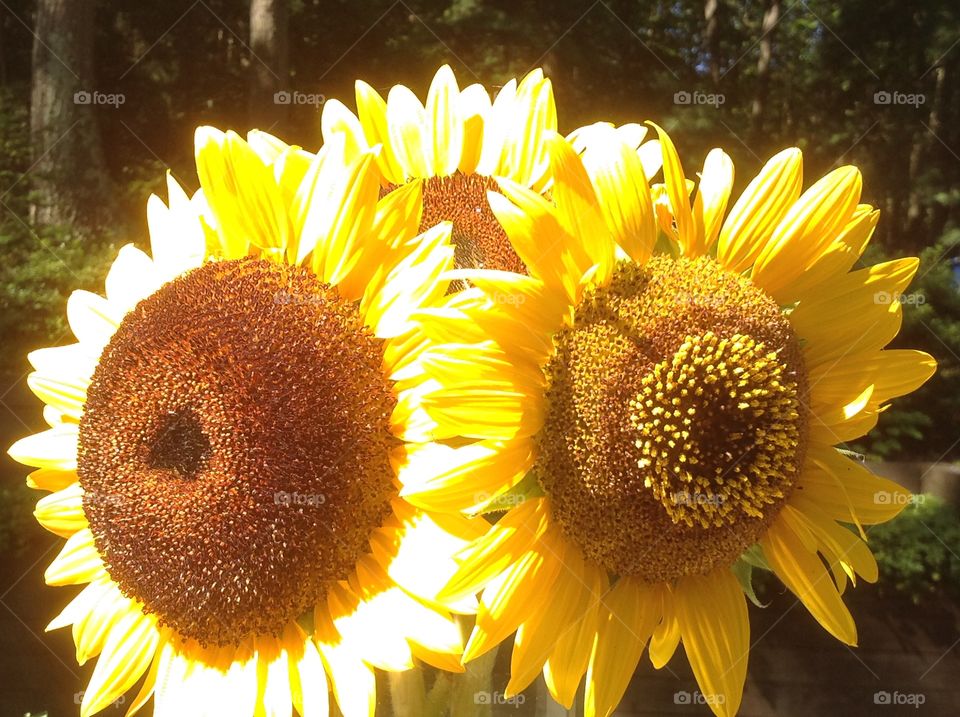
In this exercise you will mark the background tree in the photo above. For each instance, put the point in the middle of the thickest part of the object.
(269, 22)
(70, 182)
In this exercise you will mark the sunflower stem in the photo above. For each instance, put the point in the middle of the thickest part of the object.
(407, 692)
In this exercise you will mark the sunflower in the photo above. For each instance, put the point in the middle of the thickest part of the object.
(459, 144)
(223, 441)
(656, 406)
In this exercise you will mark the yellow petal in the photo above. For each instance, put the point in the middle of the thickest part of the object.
(623, 193)
(712, 614)
(241, 191)
(52, 480)
(496, 129)
(336, 118)
(759, 209)
(78, 561)
(55, 449)
(531, 119)
(502, 546)
(571, 653)
(353, 682)
(840, 255)
(274, 697)
(341, 213)
(388, 305)
(416, 549)
(177, 239)
(716, 181)
(847, 491)
(439, 477)
(62, 512)
(832, 537)
(474, 109)
(444, 121)
(372, 112)
(92, 319)
(132, 277)
(577, 207)
(689, 233)
(65, 393)
(888, 373)
(666, 636)
(409, 132)
(806, 231)
(126, 655)
(514, 595)
(628, 615)
(804, 574)
(308, 682)
(856, 313)
(537, 635)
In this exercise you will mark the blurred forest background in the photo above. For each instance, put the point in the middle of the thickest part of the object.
(869, 82)
(98, 98)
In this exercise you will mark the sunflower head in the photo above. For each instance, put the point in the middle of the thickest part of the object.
(456, 143)
(224, 437)
(662, 394)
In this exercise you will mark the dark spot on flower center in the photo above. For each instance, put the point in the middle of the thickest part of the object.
(180, 445)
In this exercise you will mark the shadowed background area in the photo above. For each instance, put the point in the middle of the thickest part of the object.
(99, 98)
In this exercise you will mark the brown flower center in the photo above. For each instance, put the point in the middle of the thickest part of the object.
(676, 423)
(234, 448)
(479, 240)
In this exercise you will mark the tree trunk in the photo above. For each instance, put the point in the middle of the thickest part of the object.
(711, 37)
(269, 21)
(70, 181)
(771, 14)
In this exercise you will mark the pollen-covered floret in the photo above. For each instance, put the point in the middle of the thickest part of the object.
(676, 420)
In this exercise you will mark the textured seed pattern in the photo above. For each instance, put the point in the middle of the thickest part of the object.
(676, 423)
(478, 239)
(234, 448)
